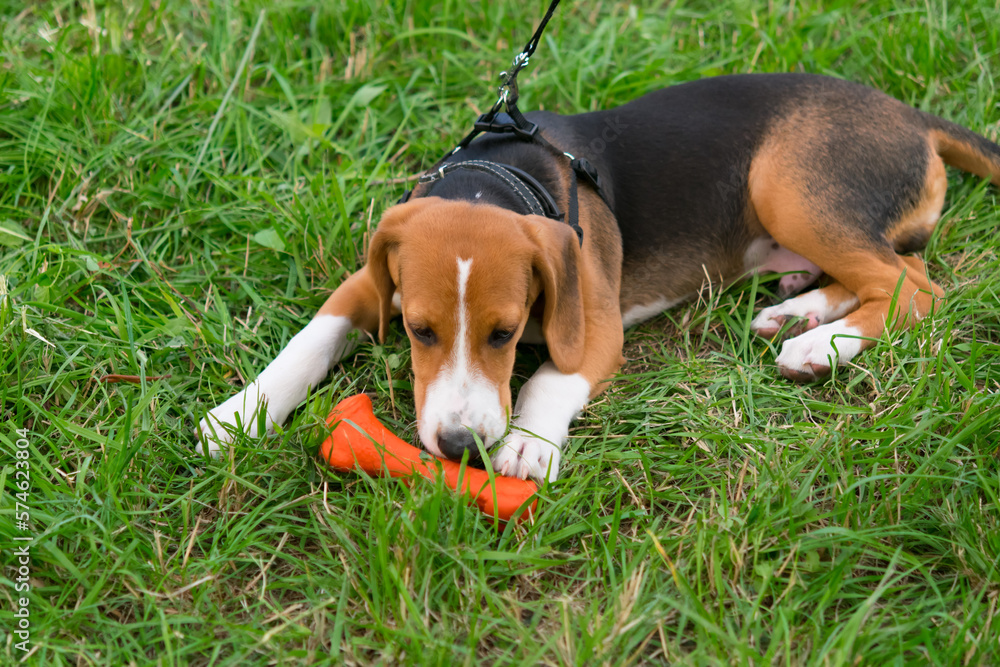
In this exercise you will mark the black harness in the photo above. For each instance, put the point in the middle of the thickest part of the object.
(528, 190)
(506, 118)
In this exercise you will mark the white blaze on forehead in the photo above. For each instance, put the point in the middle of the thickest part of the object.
(460, 355)
(460, 397)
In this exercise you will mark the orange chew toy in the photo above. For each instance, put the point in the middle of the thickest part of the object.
(360, 440)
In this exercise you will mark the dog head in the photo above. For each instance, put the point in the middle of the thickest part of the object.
(468, 275)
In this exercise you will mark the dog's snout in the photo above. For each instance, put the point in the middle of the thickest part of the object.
(455, 442)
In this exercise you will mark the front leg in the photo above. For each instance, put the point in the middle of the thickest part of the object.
(550, 400)
(546, 405)
(301, 366)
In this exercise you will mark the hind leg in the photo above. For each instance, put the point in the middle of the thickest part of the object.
(845, 240)
(891, 294)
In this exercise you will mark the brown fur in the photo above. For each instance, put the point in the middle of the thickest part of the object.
(892, 289)
(517, 259)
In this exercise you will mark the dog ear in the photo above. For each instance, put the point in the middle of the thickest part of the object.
(382, 257)
(556, 266)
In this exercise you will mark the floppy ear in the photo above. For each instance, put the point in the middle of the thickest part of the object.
(556, 266)
(382, 251)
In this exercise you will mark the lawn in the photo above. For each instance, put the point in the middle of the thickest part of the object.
(183, 183)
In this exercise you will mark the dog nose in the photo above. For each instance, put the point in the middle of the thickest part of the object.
(455, 442)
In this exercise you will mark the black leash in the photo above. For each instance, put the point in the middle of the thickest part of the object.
(505, 118)
(507, 91)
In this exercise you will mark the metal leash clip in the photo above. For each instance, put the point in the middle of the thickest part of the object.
(504, 116)
(507, 90)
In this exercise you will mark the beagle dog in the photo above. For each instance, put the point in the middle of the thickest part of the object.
(708, 181)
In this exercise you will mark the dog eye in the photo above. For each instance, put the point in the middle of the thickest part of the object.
(425, 335)
(500, 337)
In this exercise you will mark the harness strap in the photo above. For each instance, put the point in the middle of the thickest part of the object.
(574, 208)
(531, 193)
(581, 167)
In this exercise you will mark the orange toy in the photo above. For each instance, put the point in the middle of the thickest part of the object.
(360, 440)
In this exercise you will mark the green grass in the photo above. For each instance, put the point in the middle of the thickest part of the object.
(181, 184)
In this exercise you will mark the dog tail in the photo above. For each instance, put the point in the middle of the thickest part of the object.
(965, 149)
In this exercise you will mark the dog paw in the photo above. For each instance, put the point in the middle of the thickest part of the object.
(814, 308)
(770, 321)
(793, 283)
(522, 455)
(219, 426)
(812, 355)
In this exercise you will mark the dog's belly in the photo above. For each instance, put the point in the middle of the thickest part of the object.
(650, 288)
(640, 312)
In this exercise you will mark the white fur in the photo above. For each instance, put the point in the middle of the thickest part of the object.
(757, 253)
(280, 387)
(546, 405)
(460, 353)
(641, 313)
(812, 305)
(460, 397)
(825, 346)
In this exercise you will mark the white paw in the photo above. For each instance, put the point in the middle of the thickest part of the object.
(770, 320)
(522, 455)
(813, 354)
(215, 431)
(813, 307)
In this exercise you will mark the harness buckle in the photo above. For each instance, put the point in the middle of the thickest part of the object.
(583, 167)
(502, 123)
